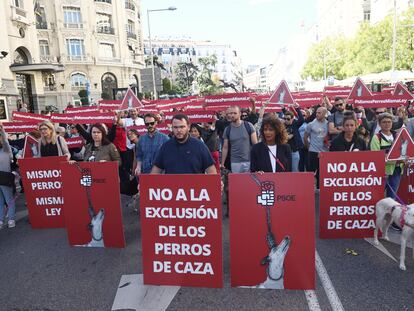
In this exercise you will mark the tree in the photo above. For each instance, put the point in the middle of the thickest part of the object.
(156, 62)
(185, 75)
(83, 94)
(369, 51)
(207, 81)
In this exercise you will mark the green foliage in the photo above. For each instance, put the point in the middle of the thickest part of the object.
(185, 75)
(207, 82)
(106, 96)
(369, 51)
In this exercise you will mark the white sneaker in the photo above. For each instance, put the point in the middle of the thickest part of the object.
(11, 223)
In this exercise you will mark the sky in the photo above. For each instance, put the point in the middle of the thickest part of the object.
(256, 29)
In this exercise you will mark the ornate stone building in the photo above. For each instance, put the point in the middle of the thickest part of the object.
(57, 47)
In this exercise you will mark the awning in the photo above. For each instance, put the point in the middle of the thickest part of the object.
(37, 67)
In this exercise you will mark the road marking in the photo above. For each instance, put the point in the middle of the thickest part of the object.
(312, 300)
(381, 248)
(330, 291)
(132, 294)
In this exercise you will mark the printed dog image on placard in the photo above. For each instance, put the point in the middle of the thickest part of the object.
(96, 223)
(277, 253)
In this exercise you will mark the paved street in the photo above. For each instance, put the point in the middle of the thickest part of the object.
(40, 271)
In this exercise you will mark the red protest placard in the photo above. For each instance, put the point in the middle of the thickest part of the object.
(31, 147)
(84, 118)
(308, 99)
(20, 127)
(181, 230)
(75, 142)
(92, 218)
(29, 117)
(282, 94)
(130, 101)
(402, 148)
(82, 109)
(42, 181)
(272, 230)
(350, 186)
(337, 91)
(406, 188)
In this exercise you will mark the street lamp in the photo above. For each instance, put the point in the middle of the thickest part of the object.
(171, 8)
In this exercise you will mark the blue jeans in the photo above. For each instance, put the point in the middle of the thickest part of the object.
(295, 161)
(393, 182)
(6, 196)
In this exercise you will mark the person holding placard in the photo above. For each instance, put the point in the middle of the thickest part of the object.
(51, 144)
(6, 181)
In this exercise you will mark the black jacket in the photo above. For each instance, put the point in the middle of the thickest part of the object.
(260, 158)
(340, 144)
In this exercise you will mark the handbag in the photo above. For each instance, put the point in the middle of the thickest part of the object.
(6, 179)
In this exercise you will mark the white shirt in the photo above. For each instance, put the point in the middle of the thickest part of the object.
(272, 155)
(390, 138)
(132, 122)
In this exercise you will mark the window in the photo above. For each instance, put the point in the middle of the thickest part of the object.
(129, 5)
(78, 80)
(72, 17)
(41, 18)
(130, 27)
(367, 16)
(19, 3)
(106, 50)
(75, 48)
(104, 23)
(44, 48)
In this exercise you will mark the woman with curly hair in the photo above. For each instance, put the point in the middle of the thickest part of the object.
(272, 154)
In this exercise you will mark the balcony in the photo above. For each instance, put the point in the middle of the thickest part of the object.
(129, 5)
(19, 15)
(41, 25)
(109, 60)
(106, 30)
(76, 58)
(73, 25)
(131, 35)
(104, 1)
(48, 59)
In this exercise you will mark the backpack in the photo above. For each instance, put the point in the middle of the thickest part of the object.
(381, 136)
(227, 131)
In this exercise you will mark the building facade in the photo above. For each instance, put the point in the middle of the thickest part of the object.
(170, 52)
(58, 47)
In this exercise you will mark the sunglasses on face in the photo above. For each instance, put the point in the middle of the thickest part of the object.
(337, 105)
(244, 115)
(149, 123)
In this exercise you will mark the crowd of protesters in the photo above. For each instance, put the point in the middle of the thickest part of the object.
(237, 141)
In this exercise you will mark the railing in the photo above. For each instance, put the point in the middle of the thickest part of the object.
(106, 30)
(50, 88)
(41, 25)
(129, 5)
(73, 25)
(105, 1)
(48, 59)
(109, 60)
(20, 12)
(131, 35)
(76, 58)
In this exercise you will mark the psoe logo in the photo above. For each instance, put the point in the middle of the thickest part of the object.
(267, 194)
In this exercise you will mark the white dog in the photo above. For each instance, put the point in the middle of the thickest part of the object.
(275, 270)
(388, 211)
(95, 227)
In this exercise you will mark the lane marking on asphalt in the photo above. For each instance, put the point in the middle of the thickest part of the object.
(330, 291)
(132, 294)
(381, 248)
(312, 299)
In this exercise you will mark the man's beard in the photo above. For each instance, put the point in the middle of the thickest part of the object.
(182, 140)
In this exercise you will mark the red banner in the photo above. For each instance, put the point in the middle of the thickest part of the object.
(406, 188)
(193, 116)
(283, 257)
(227, 100)
(141, 129)
(167, 105)
(75, 142)
(337, 91)
(181, 230)
(110, 104)
(92, 219)
(350, 186)
(20, 127)
(42, 181)
(308, 99)
(84, 118)
(82, 109)
(29, 117)
(380, 101)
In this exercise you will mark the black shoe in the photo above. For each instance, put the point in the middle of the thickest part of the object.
(394, 227)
